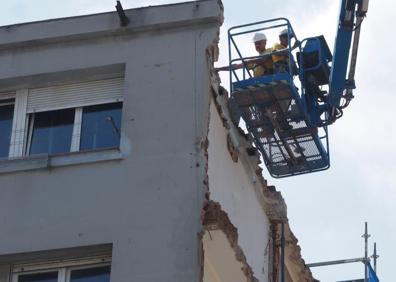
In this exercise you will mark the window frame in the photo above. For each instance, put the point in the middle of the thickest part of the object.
(63, 267)
(8, 100)
(70, 269)
(19, 125)
(19, 158)
(31, 126)
(22, 125)
(15, 276)
(76, 134)
(113, 128)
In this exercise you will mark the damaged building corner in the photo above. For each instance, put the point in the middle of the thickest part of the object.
(241, 204)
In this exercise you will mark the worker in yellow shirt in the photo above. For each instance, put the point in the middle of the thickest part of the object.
(281, 65)
(262, 65)
(281, 60)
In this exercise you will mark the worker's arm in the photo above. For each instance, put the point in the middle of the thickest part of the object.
(279, 52)
(259, 61)
(248, 64)
(227, 68)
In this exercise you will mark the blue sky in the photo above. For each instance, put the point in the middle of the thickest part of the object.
(327, 210)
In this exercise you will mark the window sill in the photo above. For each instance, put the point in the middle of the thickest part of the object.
(45, 161)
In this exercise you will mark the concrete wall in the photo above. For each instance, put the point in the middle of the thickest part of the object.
(147, 204)
(233, 186)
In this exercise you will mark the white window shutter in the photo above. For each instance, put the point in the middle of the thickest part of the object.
(7, 95)
(75, 95)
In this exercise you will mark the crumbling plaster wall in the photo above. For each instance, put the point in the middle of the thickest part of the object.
(236, 187)
(233, 187)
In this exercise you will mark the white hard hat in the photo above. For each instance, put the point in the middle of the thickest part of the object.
(285, 32)
(259, 36)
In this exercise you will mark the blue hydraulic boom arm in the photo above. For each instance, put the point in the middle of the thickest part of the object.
(287, 97)
(352, 13)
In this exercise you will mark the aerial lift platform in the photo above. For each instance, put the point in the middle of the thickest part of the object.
(287, 114)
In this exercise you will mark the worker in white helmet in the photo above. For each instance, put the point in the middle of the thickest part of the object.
(260, 66)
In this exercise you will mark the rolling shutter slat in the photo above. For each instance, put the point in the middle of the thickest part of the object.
(7, 95)
(75, 95)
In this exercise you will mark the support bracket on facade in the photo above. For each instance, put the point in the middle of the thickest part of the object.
(124, 20)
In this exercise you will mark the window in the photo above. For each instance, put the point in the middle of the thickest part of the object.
(39, 277)
(60, 119)
(51, 132)
(73, 130)
(90, 270)
(6, 117)
(97, 274)
(101, 126)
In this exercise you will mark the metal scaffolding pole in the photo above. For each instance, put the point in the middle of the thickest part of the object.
(333, 262)
(365, 260)
(375, 256)
(365, 236)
